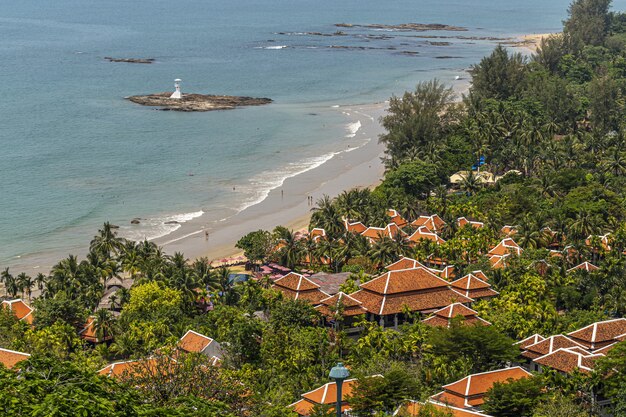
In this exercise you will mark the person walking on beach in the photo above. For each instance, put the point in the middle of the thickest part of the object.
(206, 235)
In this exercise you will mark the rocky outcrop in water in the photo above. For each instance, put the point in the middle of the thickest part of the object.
(130, 60)
(406, 27)
(197, 102)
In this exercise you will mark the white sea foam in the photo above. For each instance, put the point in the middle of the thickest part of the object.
(271, 47)
(353, 128)
(156, 227)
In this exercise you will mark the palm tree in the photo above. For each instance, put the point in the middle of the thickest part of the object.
(103, 324)
(291, 251)
(327, 217)
(471, 183)
(40, 281)
(5, 277)
(615, 163)
(26, 284)
(225, 285)
(384, 251)
(201, 269)
(106, 242)
(584, 225)
(528, 236)
(113, 301)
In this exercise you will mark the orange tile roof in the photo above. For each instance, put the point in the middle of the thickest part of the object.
(549, 345)
(405, 280)
(568, 360)
(412, 408)
(423, 233)
(9, 358)
(585, 266)
(422, 301)
(434, 223)
(508, 230)
(443, 317)
(299, 287)
(356, 227)
(530, 340)
(599, 334)
(21, 310)
(317, 234)
(462, 222)
(506, 247)
(404, 263)
(326, 394)
(480, 274)
(473, 287)
(194, 342)
(129, 368)
(396, 218)
(604, 241)
(498, 261)
(472, 388)
(88, 331)
(351, 307)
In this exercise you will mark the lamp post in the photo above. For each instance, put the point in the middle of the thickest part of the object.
(339, 373)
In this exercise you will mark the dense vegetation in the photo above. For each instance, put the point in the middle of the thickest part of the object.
(551, 127)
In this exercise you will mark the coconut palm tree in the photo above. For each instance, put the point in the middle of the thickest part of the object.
(471, 183)
(5, 277)
(40, 281)
(225, 286)
(615, 163)
(327, 217)
(103, 324)
(106, 242)
(291, 250)
(26, 284)
(384, 251)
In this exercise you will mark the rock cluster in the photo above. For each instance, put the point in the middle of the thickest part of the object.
(197, 102)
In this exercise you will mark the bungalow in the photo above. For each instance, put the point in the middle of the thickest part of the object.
(600, 334)
(548, 346)
(128, 368)
(349, 306)
(413, 408)
(508, 230)
(317, 233)
(356, 227)
(461, 222)
(324, 395)
(433, 223)
(22, 311)
(374, 234)
(604, 241)
(424, 233)
(88, 332)
(409, 263)
(194, 342)
(418, 290)
(473, 287)
(499, 253)
(443, 317)
(585, 266)
(397, 218)
(470, 391)
(298, 287)
(10, 358)
(530, 340)
(567, 361)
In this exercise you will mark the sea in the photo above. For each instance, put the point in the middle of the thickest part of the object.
(75, 153)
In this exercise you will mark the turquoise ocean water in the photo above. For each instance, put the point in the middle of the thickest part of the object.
(74, 153)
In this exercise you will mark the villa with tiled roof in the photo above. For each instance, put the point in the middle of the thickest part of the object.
(470, 391)
(374, 234)
(423, 233)
(444, 316)
(600, 334)
(397, 218)
(356, 227)
(317, 233)
(21, 310)
(413, 408)
(604, 241)
(194, 342)
(567, 360)
(326, 394)
(507, 246)
(418, 290)
(298, 287)
(88, 332)
(508, 230)
(473, 287)
(530, 340)
(585, 266)
(10, 358)
(549, 345)
(433, 223)
(404, 263)
(349, 306)
(131, 367)
(462, 222)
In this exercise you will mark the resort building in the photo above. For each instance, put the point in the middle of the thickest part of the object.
(374, 234)
(444, 317)
(413, 408)
(324, 395)
(340, 303)
(433, 223)
(10, 358)
(567, 361)
(508, 231)
(585, 266)
(549, 345)
(530, 340)
(21, 310)
(603, 240)
(424, 233)
(599, 335)
(298, 287)
(418, 290)
(473, 287)
(499, 253)
(356, 227)
(397, 218)
(194, 342)
(470, 391)
(88, 332)
(131, 368)
(317, 234)
(462, 222)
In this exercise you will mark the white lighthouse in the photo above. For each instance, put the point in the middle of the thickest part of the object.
(177, 94)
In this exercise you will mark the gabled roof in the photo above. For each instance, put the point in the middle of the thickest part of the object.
(506, 246)
(326, 394)
(375, 233)
(88, 332)
(404, 263)
(299, 287)
(498, 261)
(404, 280)
(21, 310)
(530, 340)
(434, 223)
(549, 345)
(585, 266)
(355, 227)
(508, 230)
(604, 241)
(351, 307)
(462, 222)
(397, 218)
(9, 358)
(447, 272)
(423, 233)
(131, 367)
(473, 287)
(412, 408)
(568, 360)
(443, 317)
(480, 274)
(317, 234)
(599, 334)
(472, 388)
(194, 342)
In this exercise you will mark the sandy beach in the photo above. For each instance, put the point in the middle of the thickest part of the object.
(531, 42)
(288, 205)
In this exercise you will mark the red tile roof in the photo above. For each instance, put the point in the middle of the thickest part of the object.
(412, 409)
(317, 234)
(88, 332)
(130, 368)
(404, 263)
(10, 358)
(434, 223)
(585, 266)
(326, 394)
(506, 247)
(351, 307)
(473, 287)
(299, 287)
(443, 317)
(549, 345)
(21, 310)
(508, 230)
(423, 233)
(568, 360)
(397, 218)
(194, 342)
(600, 334)
(356, 227)
(462, 222)
(530, 340)
(470, 391)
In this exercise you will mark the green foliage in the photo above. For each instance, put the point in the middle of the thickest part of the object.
(559, 405)
(415, 179)
(498, 75)
(514, 398)
(256, 245)
(588, 23)
(62, 308)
